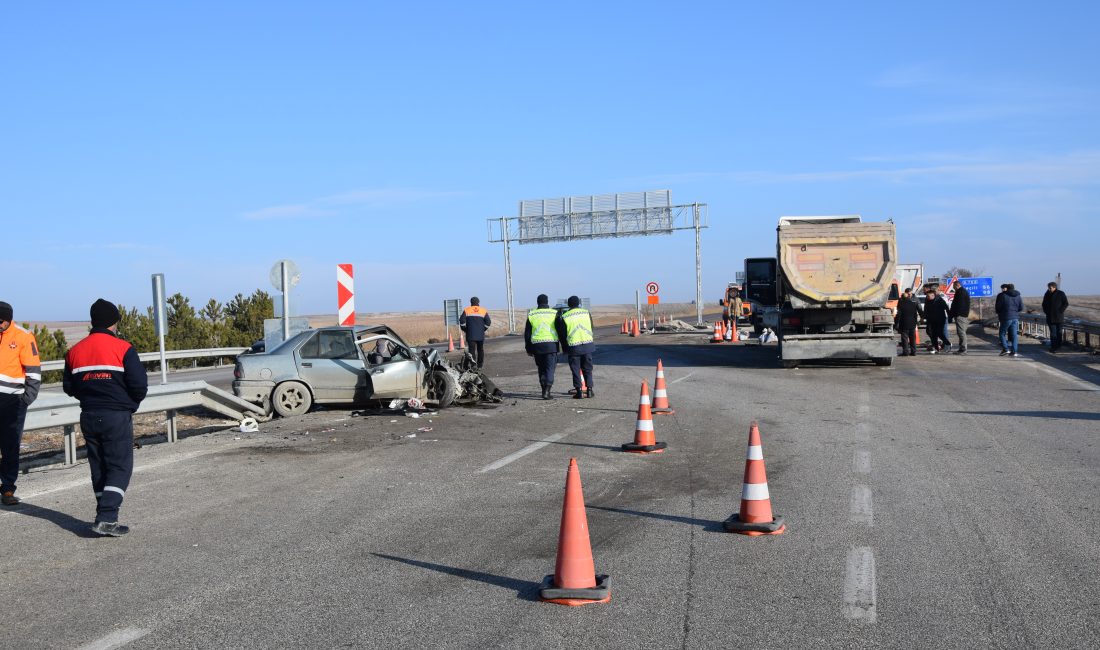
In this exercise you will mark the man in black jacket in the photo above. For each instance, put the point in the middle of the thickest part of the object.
(935, 317)
(1054, 306)
(960, 313)
(906, 322)
(106, 375)
(475, 322)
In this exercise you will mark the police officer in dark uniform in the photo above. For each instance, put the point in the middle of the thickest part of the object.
(474, 321)
(106, 375)
(540, 337)
(575, 328)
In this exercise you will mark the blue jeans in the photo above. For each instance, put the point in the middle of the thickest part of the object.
(1011, 328)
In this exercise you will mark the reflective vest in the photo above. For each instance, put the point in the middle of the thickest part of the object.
(20, 367)
(542, 325)
(578, 327)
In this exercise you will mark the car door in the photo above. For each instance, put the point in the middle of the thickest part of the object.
(393, 369)
(329, 363)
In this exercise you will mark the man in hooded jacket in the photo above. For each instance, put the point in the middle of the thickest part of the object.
(1009, 305)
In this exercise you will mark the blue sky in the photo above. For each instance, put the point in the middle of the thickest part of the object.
(206, 140)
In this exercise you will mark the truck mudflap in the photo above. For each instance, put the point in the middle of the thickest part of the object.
(838, 346)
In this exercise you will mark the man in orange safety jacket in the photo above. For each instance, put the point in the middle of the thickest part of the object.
(20, 377)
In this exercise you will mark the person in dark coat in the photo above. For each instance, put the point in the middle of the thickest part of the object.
(1054, 306)
(475, 322)
(906, 322)
(1009, 305)
(541, 339)
(935, 319)
(960, 314)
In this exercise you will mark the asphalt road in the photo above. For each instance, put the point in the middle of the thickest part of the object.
(948, 502)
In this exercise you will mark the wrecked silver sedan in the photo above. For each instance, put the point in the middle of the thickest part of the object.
(358, 366)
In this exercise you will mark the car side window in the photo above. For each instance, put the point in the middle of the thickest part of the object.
(329, 345)
(309, 349)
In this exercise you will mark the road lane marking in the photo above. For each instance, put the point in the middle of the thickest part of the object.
(1080, 383)
(859, 585)
(116, 639)
(861, 464)
(532, 448)
(676, 381)
(860, 506)
(86, 482)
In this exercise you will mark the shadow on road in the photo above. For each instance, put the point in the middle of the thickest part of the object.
(585, 444)
(708, 525)
(63, 520)
(1063, 415)
(525, 589)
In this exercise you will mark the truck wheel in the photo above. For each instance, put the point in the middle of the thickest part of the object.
(291, 398)
(441, 388)
(884, 361)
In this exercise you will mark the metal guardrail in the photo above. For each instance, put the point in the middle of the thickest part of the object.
(56, 410)
(169, 355)
(1081, 332)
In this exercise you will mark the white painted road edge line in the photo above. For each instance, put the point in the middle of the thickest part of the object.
(529, 449)
(116, 639)
(859, 585)
(86, 482)
(1081, 383)
(860, 507)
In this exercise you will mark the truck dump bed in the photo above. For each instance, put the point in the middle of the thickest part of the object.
(828, 262)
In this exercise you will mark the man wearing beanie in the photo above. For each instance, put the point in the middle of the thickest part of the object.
(20, 377)
(575, 326)
(540, 338)
(105, 374)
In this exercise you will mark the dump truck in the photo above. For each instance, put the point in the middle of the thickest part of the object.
(824, 293)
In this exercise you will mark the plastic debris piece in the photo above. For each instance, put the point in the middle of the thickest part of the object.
(411, 435)
(412, 415)
(424, 429)
(249, 425)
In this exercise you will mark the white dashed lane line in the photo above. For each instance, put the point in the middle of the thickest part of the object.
(859, 585)
(116, 639)
(860, 509)
(587, 424)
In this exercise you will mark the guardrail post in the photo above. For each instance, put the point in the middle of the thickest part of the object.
(70, 444)
(173, 433)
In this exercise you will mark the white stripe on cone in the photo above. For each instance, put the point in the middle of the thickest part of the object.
(660, 392)
(644, 425)
(644, 400)
(755, 453)
(755, 492)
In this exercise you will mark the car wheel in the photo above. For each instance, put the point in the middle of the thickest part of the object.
(441, 389)
(291, 398)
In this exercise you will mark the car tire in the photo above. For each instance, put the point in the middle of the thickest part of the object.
(291, 398)
(442, 388)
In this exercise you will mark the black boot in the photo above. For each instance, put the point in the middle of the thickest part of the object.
(591, 393)
(546, 391)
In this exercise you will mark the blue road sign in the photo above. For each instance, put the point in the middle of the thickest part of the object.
(978, 287)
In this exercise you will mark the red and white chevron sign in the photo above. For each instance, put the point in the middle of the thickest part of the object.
(345, 294)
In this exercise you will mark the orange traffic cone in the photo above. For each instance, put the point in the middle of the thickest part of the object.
(622, 330)
(574, 581)
(916, 336)
(462, 340)
(717, 338)
(660, 393)
(728, 334)
(756, 516)
(644, 442)
(450, 342)
(735, 338)
(636, 331)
